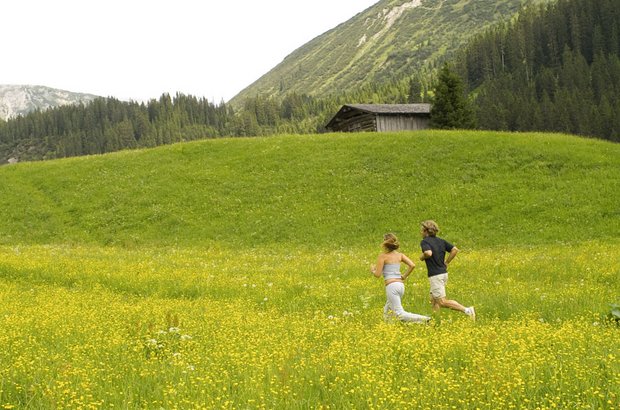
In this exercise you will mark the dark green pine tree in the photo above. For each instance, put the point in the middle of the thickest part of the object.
(451, 108)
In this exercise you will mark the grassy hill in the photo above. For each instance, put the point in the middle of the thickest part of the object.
(328, 190)
(392, 39)
(234, 273)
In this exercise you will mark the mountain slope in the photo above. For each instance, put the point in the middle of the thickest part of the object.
(21, 99)
(329, 190)
(388, 40)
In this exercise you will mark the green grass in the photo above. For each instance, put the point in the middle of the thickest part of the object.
(234, 274)
(485, 189)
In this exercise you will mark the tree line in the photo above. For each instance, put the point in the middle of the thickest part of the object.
(107, 124)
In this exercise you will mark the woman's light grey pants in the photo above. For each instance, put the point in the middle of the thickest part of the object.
(395, 292)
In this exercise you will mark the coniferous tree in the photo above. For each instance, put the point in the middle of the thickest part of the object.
(451, 108)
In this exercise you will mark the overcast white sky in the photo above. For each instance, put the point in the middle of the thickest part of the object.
(138, 49)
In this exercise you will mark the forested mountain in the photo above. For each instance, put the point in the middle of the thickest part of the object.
(22, 99)
(555, 68)
(388, 41)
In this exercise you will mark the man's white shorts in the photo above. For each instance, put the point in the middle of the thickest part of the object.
(438, 285)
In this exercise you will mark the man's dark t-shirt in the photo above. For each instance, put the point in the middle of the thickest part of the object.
(435, 264)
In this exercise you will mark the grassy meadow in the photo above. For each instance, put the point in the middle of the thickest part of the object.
(233, 273)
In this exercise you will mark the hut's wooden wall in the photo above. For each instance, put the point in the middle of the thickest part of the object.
(401, 122)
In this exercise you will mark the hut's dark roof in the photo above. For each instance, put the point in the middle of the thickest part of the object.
(421, 108)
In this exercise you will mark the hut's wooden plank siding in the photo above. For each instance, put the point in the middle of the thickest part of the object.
(400, 123)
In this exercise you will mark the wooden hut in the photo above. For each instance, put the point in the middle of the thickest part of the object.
(380, 117)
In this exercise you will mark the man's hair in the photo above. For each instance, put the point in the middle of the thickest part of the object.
(390, 242)
(430, 227)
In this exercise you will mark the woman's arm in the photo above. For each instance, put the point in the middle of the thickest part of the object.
(409, 263)
(377, 270)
